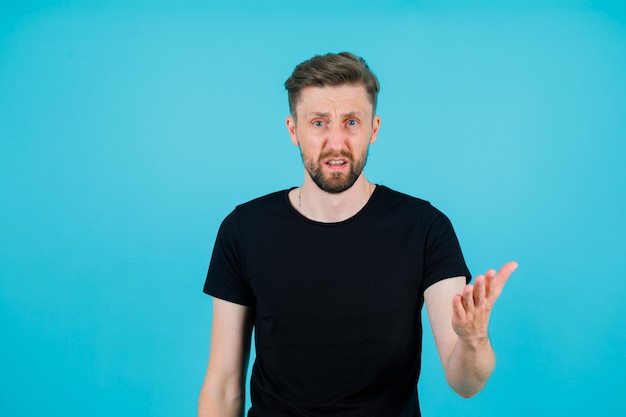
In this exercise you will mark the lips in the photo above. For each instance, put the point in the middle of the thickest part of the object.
(336, 163)
(336, 159)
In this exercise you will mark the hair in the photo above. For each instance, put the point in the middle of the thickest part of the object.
(331, 70)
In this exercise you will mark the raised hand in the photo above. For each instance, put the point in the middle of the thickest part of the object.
(471, 309)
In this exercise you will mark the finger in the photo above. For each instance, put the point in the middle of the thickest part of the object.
(480, 289)
(504, 273)
(458, 311)
(490, 283)
(500, 279)
(507, 270)
(468, 299)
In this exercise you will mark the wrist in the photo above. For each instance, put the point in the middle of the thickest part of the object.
(475, 343)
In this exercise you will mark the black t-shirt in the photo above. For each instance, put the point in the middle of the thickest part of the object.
(337, 305)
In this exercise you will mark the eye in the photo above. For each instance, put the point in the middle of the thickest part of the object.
(318, 123)
(352, 122)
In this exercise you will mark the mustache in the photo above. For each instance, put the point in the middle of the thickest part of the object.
(337, 154)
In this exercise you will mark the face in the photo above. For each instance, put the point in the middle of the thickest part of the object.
(334, 127)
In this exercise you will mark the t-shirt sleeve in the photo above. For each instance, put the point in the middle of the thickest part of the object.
(226, 276)
(443, 257)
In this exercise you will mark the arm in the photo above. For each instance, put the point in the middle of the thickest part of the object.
(223, 392)
(459, 317)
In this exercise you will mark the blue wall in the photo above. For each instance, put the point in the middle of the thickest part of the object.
(127, 132)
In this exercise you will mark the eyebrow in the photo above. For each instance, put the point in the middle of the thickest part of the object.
(344, 115)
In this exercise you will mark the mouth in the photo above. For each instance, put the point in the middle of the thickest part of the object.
(336, 163)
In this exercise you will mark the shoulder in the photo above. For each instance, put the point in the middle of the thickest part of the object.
(404, 211)
(256, 212)
(397, 196)
(258, 205)
(396, 200)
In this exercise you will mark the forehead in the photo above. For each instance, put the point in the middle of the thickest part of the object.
(346, 98)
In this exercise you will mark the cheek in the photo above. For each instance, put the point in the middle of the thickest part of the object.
(308, 141)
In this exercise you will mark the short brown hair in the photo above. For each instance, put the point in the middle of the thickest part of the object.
(331, 70)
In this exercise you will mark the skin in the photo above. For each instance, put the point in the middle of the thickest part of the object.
(331, 122)
(459, 317)
(336, 124)
(223, 390)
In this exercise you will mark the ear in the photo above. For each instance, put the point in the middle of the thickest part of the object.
(375, 127)
(291, 128)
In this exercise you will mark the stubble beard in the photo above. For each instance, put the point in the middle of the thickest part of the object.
(334, 182)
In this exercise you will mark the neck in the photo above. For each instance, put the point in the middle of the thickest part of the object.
(318, 205)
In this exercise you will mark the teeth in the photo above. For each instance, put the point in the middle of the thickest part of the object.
(336, 162)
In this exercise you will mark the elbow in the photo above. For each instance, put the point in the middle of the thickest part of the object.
(468, 387)
(468, 378)
(465, 390)
(466, 394)
(220, 403)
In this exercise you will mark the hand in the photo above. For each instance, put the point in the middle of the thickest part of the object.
(471, 310)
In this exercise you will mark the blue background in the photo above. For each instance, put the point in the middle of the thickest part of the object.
(128, 131)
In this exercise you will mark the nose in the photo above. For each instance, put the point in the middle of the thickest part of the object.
(336, 139)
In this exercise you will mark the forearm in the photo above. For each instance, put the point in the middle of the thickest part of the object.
(213, 403)
(469, 366)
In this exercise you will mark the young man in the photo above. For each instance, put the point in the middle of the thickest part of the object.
(333, 274)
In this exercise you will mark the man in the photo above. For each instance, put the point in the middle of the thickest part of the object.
(332, 276)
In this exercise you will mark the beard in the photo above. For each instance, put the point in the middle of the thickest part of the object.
(334, 182)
